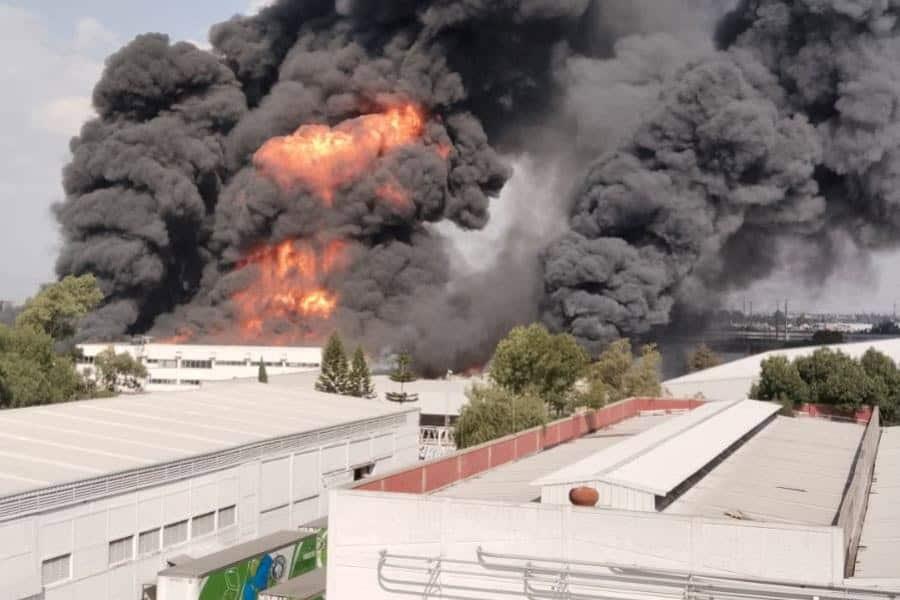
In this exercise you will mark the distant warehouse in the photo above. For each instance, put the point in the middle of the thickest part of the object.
(97, 497)
(185, 366)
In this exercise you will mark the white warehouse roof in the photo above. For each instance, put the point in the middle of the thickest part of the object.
(733, 380)
(660, 459)
(61, 443)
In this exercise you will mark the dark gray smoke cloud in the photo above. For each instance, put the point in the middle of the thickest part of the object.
(675, 171)
(785, 141)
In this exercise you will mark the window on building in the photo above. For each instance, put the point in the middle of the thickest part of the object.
(56, 569)
(231, 363)
(227, 516)
(175, 533)
(190, 381)
(121, 550)
(167, 363)
(203, 524)
(148, 542)
(196, 364)
(163, 381)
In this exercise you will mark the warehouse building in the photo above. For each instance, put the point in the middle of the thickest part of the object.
(97, 497)
(185, 366)
(729, 499)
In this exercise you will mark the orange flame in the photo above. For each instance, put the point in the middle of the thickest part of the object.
(288, 284)
(323, 159)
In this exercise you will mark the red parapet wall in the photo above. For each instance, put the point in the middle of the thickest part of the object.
(432, 475)
(863, 415)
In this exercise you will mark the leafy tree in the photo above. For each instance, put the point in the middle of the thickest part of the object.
(58, 307)
(360, 378)
(119, 370)
(702, 358)
(31, 373)
(618, 374)
(824, 337)
(262, 376)
(531, 357)
(402, 374)
(886, 328)
(493, 412)
(335, 372)
(780, 381)
(886, 376)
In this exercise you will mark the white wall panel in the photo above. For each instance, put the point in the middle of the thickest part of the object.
(307, 478)
(383, 446)
(55, 539)
(274, 520)
(149, 514)
(204, 498)
(334, 458)
(361, 524)
(305, 511)
(176, 507)
(274, 489)
(122, 521)
(360, 452)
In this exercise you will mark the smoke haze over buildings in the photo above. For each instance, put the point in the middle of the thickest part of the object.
(635, 158)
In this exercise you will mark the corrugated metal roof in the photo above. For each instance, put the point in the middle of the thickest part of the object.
(514, 482)
(205, 565)
(590, 466)
(659, 460)
(794, 471)
(299, 588)
(61, 443)
(879, 550)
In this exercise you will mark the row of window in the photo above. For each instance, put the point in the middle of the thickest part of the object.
(59, 568)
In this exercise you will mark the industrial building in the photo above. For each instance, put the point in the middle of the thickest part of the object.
(97, 497)
(733, 380)
(184, 366)
(695, 500)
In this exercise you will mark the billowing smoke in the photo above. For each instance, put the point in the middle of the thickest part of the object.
(329, 162)
(782, 144)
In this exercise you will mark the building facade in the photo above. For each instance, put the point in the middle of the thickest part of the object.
(97, 497)
(185, 366)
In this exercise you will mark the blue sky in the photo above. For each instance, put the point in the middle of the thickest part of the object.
(54, 52)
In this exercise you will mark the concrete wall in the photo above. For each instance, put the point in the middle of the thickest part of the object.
(279, 491)
(853, 507)
(362, 524)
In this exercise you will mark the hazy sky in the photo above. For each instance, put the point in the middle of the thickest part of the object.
(54, 53)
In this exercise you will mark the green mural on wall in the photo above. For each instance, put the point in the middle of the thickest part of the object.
(245, 580)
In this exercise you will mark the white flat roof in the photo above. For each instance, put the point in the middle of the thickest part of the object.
(659, 460)
(732, 380)
(514, 482)
(879, 548)
(792, 471)
(61, 443)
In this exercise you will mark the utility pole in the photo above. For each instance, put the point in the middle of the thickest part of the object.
(786, 320)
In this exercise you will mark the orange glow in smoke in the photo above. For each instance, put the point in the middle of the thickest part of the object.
(394, 194)
(324, 158)
(288, 284)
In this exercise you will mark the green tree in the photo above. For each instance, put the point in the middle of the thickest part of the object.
(493, 412)
(884, 372)
(531, 357)
(702, 358)
(116, 371)
(780, 381)
(402, 373)
(58, 307)
(333, 378)
(262, 376)
(31, 373)
(360, 378)
(618, 374)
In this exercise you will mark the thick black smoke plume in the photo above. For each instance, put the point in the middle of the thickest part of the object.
(784, 143)
(704, 166)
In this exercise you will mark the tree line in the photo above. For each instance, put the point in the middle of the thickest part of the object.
(37, 357)
(536, 375)
(832, 378)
